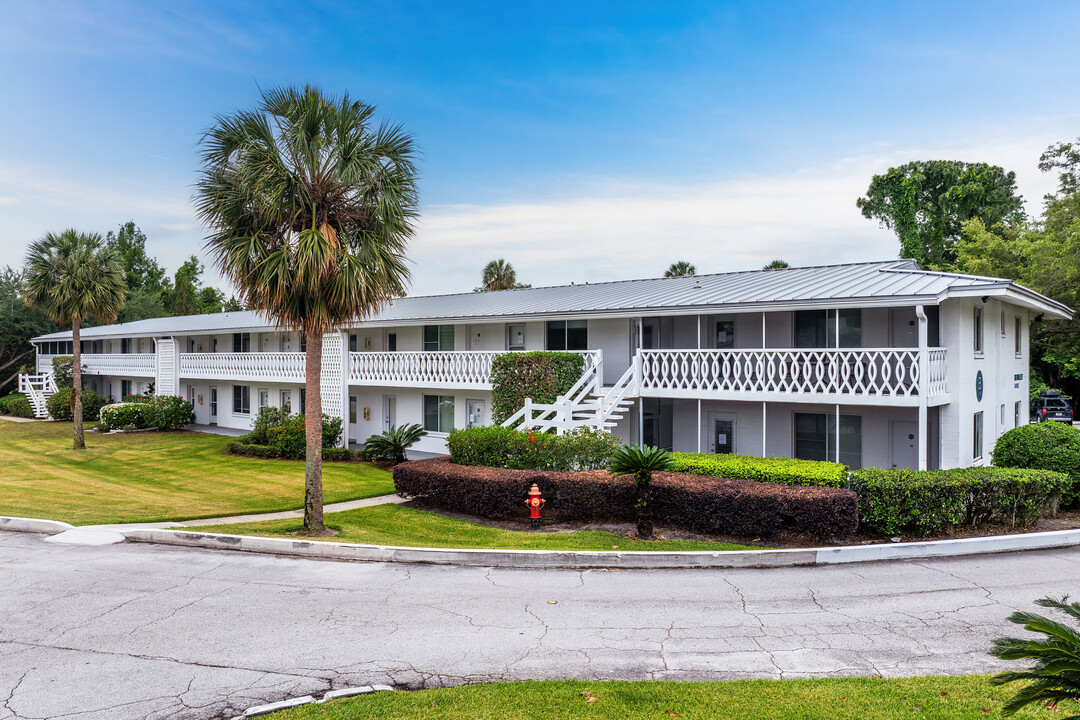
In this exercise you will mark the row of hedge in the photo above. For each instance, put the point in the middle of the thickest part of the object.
(495, 446)
(164, 412)
(278, 434)
(16, 404)
(709, 505)
(785, 471)
(269, 452)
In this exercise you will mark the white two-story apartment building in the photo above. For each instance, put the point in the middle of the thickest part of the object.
(875, 364)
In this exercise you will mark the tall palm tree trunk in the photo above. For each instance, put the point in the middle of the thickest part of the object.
(76, 386)
(313, 496)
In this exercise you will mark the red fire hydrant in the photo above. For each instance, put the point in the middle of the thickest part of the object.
(535, 502)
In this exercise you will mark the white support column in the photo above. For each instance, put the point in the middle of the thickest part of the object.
(764, 433)
(837, 440)
(699, 430)
(762, 329)
(924, 365)
(345, 407)
(640, 400)
(837, 321)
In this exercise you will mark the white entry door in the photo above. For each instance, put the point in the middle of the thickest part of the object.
(213, 406)
(905, 445)
(286, 400)
(474, 413)
(389, 412)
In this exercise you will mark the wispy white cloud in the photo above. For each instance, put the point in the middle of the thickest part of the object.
(8, 200)
(614, 230)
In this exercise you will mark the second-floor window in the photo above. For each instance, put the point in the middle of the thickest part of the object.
(977, 329)
(438, 338)
(241, 342)
(817, 328)
(1017, 341)
(568, 335)
(125, 345)
(352, 343)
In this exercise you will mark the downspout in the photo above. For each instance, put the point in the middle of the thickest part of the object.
(924, 384)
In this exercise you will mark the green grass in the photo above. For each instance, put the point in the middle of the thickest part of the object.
(396, 525)
(924, 698)
(147, 477)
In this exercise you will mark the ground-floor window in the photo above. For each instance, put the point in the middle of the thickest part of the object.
(125, 389)
(977, 437)
(303, 400)
(264, 398)
(352, 409)
(1016, 414)
(815, 438)
(439, 413)
(241, 399)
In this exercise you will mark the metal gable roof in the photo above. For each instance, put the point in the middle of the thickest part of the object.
(895, 281)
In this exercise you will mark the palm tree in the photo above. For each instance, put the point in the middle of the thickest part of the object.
(776, 265)
(394, 443)
(73, 277)
(680, 269)
(310, 208)
(499, 275)
(641, 462)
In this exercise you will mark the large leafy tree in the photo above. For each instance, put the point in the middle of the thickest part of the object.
(311, 207)
(18, 323)
(499, 275)
(682, 268)
(1043, 255)
(926, 202)
(73, 277)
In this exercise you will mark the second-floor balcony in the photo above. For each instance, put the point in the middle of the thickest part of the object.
(886, 376)
(283, 367)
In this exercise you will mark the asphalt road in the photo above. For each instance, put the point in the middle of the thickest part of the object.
(139, 631)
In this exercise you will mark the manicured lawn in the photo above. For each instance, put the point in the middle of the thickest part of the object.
(146, 477)
(928, 698)
(396, 525)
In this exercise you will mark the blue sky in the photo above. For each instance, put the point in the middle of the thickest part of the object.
(580, 141)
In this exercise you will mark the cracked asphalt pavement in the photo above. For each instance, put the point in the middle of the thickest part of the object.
(144, 631)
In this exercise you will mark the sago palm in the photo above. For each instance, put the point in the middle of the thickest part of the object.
(641, 462)
(1055, 676)
(499, 275)
(310, 207)
(73, 277)
(680, 269)
(394, 443)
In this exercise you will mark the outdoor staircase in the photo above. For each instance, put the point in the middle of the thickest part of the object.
(587, 404)
(38, 388)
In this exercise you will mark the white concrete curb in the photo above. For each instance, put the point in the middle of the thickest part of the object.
(308, 699)
(611, 559)
(33, 525)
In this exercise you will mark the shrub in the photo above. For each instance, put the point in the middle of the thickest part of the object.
(542, 376)
(251, 450)
(494, 446)
(16, 404)
(119, 415)
(289, 437)
(891, 501)
(331, 431)
(63, 371)
(60, 405)
(394, 443)
(338, 454)
(785, 471)
(712, 505)
(167, 412)
(268, 417)
(1044, 446)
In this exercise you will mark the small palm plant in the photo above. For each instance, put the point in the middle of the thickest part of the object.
(392, 444)
(1056, 673)
(641, 462)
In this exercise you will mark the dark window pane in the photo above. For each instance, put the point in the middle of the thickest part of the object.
(811, 436)
(810, 329)
(577, 335)
(556, 335)
(431, 338)
(446, 337)
(352, 343)
(391, 342)
(431, 413)
(850, 328)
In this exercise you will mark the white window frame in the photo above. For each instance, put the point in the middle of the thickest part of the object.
(977, 329)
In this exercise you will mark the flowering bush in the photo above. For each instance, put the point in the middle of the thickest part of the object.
(60, 405)
(289, 439)
(119, 415)
(162, 412)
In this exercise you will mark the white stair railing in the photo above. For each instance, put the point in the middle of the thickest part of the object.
(38, 388)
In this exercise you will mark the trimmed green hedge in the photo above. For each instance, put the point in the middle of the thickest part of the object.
(60, 405)
(784, 471)
(542, 376)
(502, 447)
(269, 452)
(922, 503)
(1044, 446)
(16, 404)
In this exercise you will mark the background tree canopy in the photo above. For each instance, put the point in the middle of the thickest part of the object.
(926, 202)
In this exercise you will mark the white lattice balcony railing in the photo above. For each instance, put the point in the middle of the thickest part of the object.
(265, 366)
(890, 374)
(449, 369)
(422, 369)
(133, 364)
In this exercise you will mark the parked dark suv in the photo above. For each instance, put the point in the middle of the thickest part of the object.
(1051, 405)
